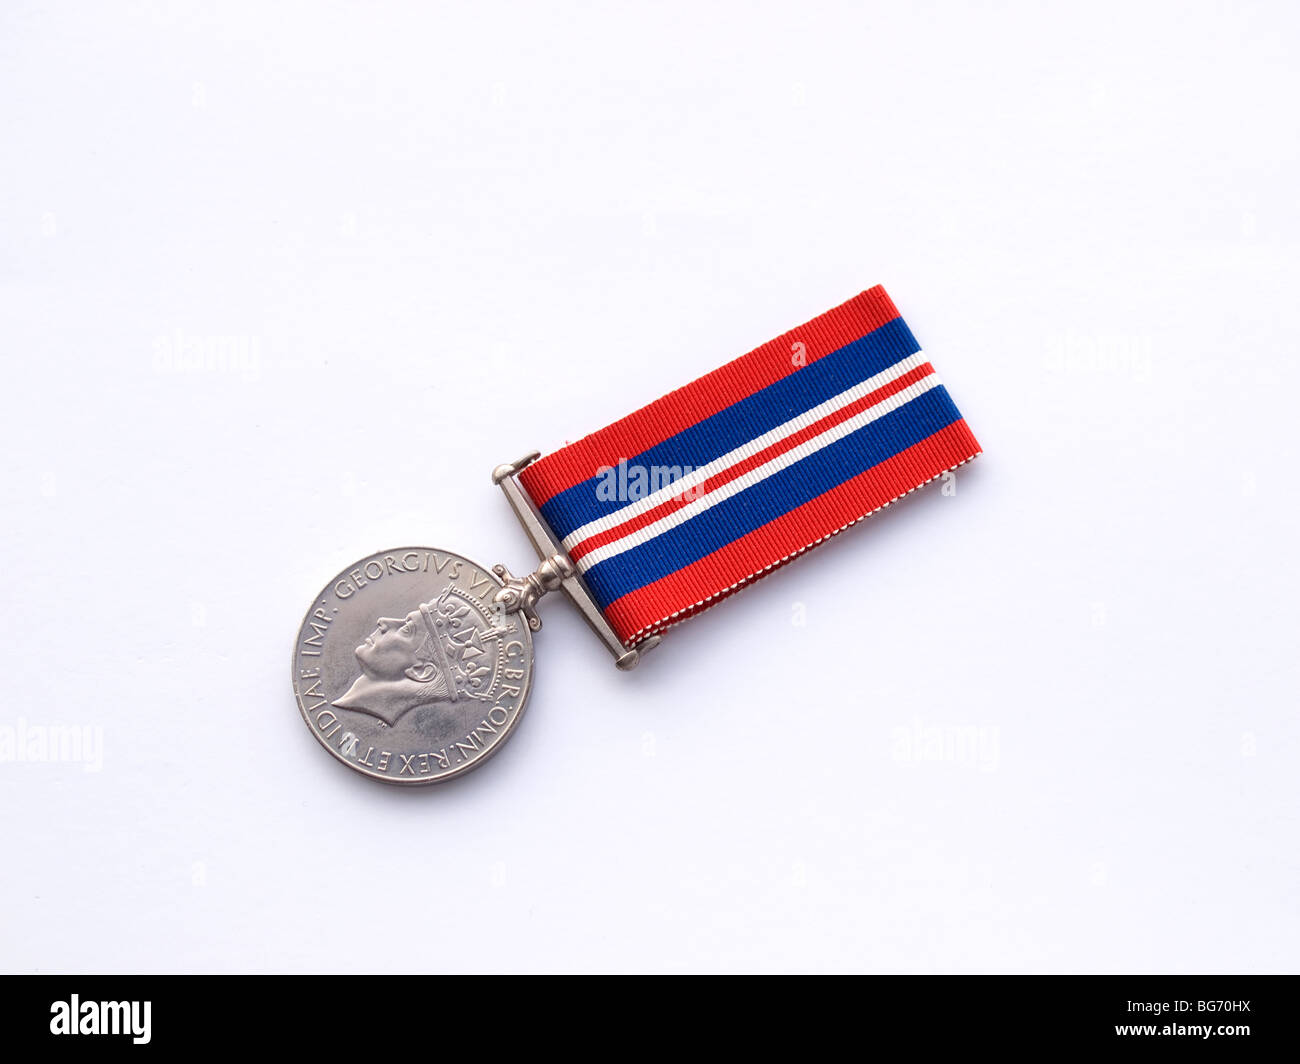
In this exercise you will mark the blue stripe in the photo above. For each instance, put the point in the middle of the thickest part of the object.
(770, 498)
(745, 420)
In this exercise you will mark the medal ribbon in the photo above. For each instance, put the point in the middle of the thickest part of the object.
(718, 483)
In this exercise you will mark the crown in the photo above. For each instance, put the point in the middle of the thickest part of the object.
(461, 635)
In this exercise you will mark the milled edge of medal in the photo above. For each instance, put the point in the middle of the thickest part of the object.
(422, 781)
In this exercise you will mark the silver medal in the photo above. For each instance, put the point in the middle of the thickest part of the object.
(409, 668)
(414, 664)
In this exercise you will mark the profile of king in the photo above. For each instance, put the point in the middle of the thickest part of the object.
(435, 654)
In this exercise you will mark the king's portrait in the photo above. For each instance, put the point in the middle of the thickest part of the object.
(435, 654)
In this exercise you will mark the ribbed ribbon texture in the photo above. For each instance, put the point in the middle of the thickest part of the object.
(719, 482)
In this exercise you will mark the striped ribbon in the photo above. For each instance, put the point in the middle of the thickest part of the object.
(678, 505)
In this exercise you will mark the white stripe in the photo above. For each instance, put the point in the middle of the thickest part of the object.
(745, 450)
(760, 473)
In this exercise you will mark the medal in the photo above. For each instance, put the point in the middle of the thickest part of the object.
(414, 664)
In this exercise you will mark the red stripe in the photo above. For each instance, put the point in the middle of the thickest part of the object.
(745, 465)
(693, 588)
(703, 398)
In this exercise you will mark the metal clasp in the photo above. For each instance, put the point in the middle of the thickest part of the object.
(556, 570)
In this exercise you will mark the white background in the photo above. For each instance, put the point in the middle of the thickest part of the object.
(445, 235)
